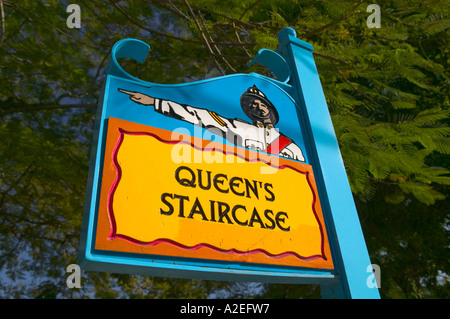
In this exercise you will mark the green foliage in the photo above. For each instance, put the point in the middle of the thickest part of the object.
(387, 90)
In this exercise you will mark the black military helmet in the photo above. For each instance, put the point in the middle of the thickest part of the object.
(252, 94)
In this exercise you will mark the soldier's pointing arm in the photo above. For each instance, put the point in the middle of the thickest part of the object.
(139, 97)
(178, 111)
(196, 116)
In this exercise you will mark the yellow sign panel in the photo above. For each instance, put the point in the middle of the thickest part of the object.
(170, 194)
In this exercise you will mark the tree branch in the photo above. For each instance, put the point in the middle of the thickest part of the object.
(239, 40)
(249, 8)
(42, 107)
(172, 8)
(2, 12)
(215, 46)
(165, 35)
(16, 8)
(331, 58)
(237, 21)
(332, 23)
(362, 93)
(203, 36)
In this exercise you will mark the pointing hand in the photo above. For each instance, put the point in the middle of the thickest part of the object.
(139, 97)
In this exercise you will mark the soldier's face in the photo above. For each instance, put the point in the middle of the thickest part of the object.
(258, 108)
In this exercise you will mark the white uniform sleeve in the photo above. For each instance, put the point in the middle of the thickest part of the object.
(196, 116)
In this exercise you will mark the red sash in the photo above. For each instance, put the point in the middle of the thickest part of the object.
(276, 146)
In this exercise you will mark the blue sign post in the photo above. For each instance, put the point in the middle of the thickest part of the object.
(282, 212)
(350, 252)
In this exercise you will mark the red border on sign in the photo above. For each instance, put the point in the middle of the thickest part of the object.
(117, 130)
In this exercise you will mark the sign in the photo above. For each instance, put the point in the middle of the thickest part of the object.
(172, 194)
(215, 179)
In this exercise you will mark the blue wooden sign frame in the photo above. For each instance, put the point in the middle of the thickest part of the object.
(352, 258)
(294, 67)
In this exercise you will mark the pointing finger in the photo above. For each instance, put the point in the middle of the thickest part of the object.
(127, 92)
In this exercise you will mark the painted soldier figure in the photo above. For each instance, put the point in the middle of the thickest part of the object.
(260, 135)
